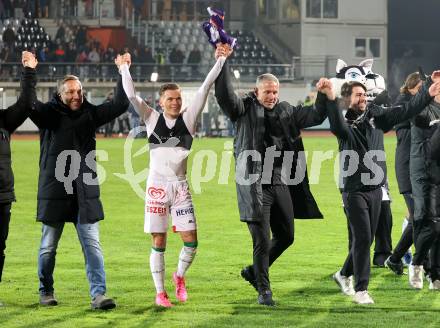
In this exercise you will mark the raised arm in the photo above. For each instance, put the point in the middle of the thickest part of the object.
(141, 107)
(307, 116)
(193, 111)
(388, 117)
(108, 111)
(16, 114)
(338, 126)
(229, 102)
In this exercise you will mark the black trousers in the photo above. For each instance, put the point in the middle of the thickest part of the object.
(363, 210)
(382, 238)
(278, 219)
(5, 217)
(382, 242)
(427, 243)
(406, 240)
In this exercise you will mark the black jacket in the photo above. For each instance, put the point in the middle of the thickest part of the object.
(425, 164)
(403, 148)
(248, 115)
(364, 133)
(435, 143)
(62, 129)
(10, 120)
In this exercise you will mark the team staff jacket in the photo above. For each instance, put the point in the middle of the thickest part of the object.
(62, 129)
(425, 163)
(363, 132)
(403, 148)
(10, 120)
(248, 115)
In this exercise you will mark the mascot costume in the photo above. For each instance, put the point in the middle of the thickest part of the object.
(362, 73)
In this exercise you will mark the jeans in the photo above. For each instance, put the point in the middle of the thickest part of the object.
(88, 235)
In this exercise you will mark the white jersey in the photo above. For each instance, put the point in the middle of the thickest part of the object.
(170, 162)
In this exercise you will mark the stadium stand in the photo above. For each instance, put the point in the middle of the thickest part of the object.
(177, 50)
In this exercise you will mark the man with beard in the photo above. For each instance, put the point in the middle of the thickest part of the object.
(68, 187)
(360, 139)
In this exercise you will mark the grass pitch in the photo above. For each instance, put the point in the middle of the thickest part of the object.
(218, 297)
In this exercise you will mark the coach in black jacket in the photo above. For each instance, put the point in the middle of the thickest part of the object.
(266, 201)
(360, 135)
(68, 189)
(10, 119)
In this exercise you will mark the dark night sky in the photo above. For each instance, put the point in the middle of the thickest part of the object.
(413, 38)
(408, 18)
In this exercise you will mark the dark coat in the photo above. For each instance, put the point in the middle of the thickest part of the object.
(425, 164)
(62, 129)
(248, 115)
(403, 148)
(10, 120)
(364, 133)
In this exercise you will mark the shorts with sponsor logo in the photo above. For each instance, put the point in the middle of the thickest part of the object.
(164, 198)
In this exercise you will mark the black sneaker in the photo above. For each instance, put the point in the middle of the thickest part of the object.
(397, 268)
(265, 298)
(248, 274)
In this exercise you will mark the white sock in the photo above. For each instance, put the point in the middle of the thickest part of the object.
(157, 267)
(186, 257)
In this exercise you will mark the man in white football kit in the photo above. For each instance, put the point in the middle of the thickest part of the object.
(170, 136)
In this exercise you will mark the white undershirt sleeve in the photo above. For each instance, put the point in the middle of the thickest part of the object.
(141, 107)
(192, 112)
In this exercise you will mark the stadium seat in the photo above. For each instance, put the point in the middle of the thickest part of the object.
(184, 39)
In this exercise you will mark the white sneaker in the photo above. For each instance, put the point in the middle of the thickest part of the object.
(362, 297)
(434, 285)
(415, 275)
(345, 283)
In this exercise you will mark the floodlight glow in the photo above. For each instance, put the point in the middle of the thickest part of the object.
(237, 73)
(154, 77)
